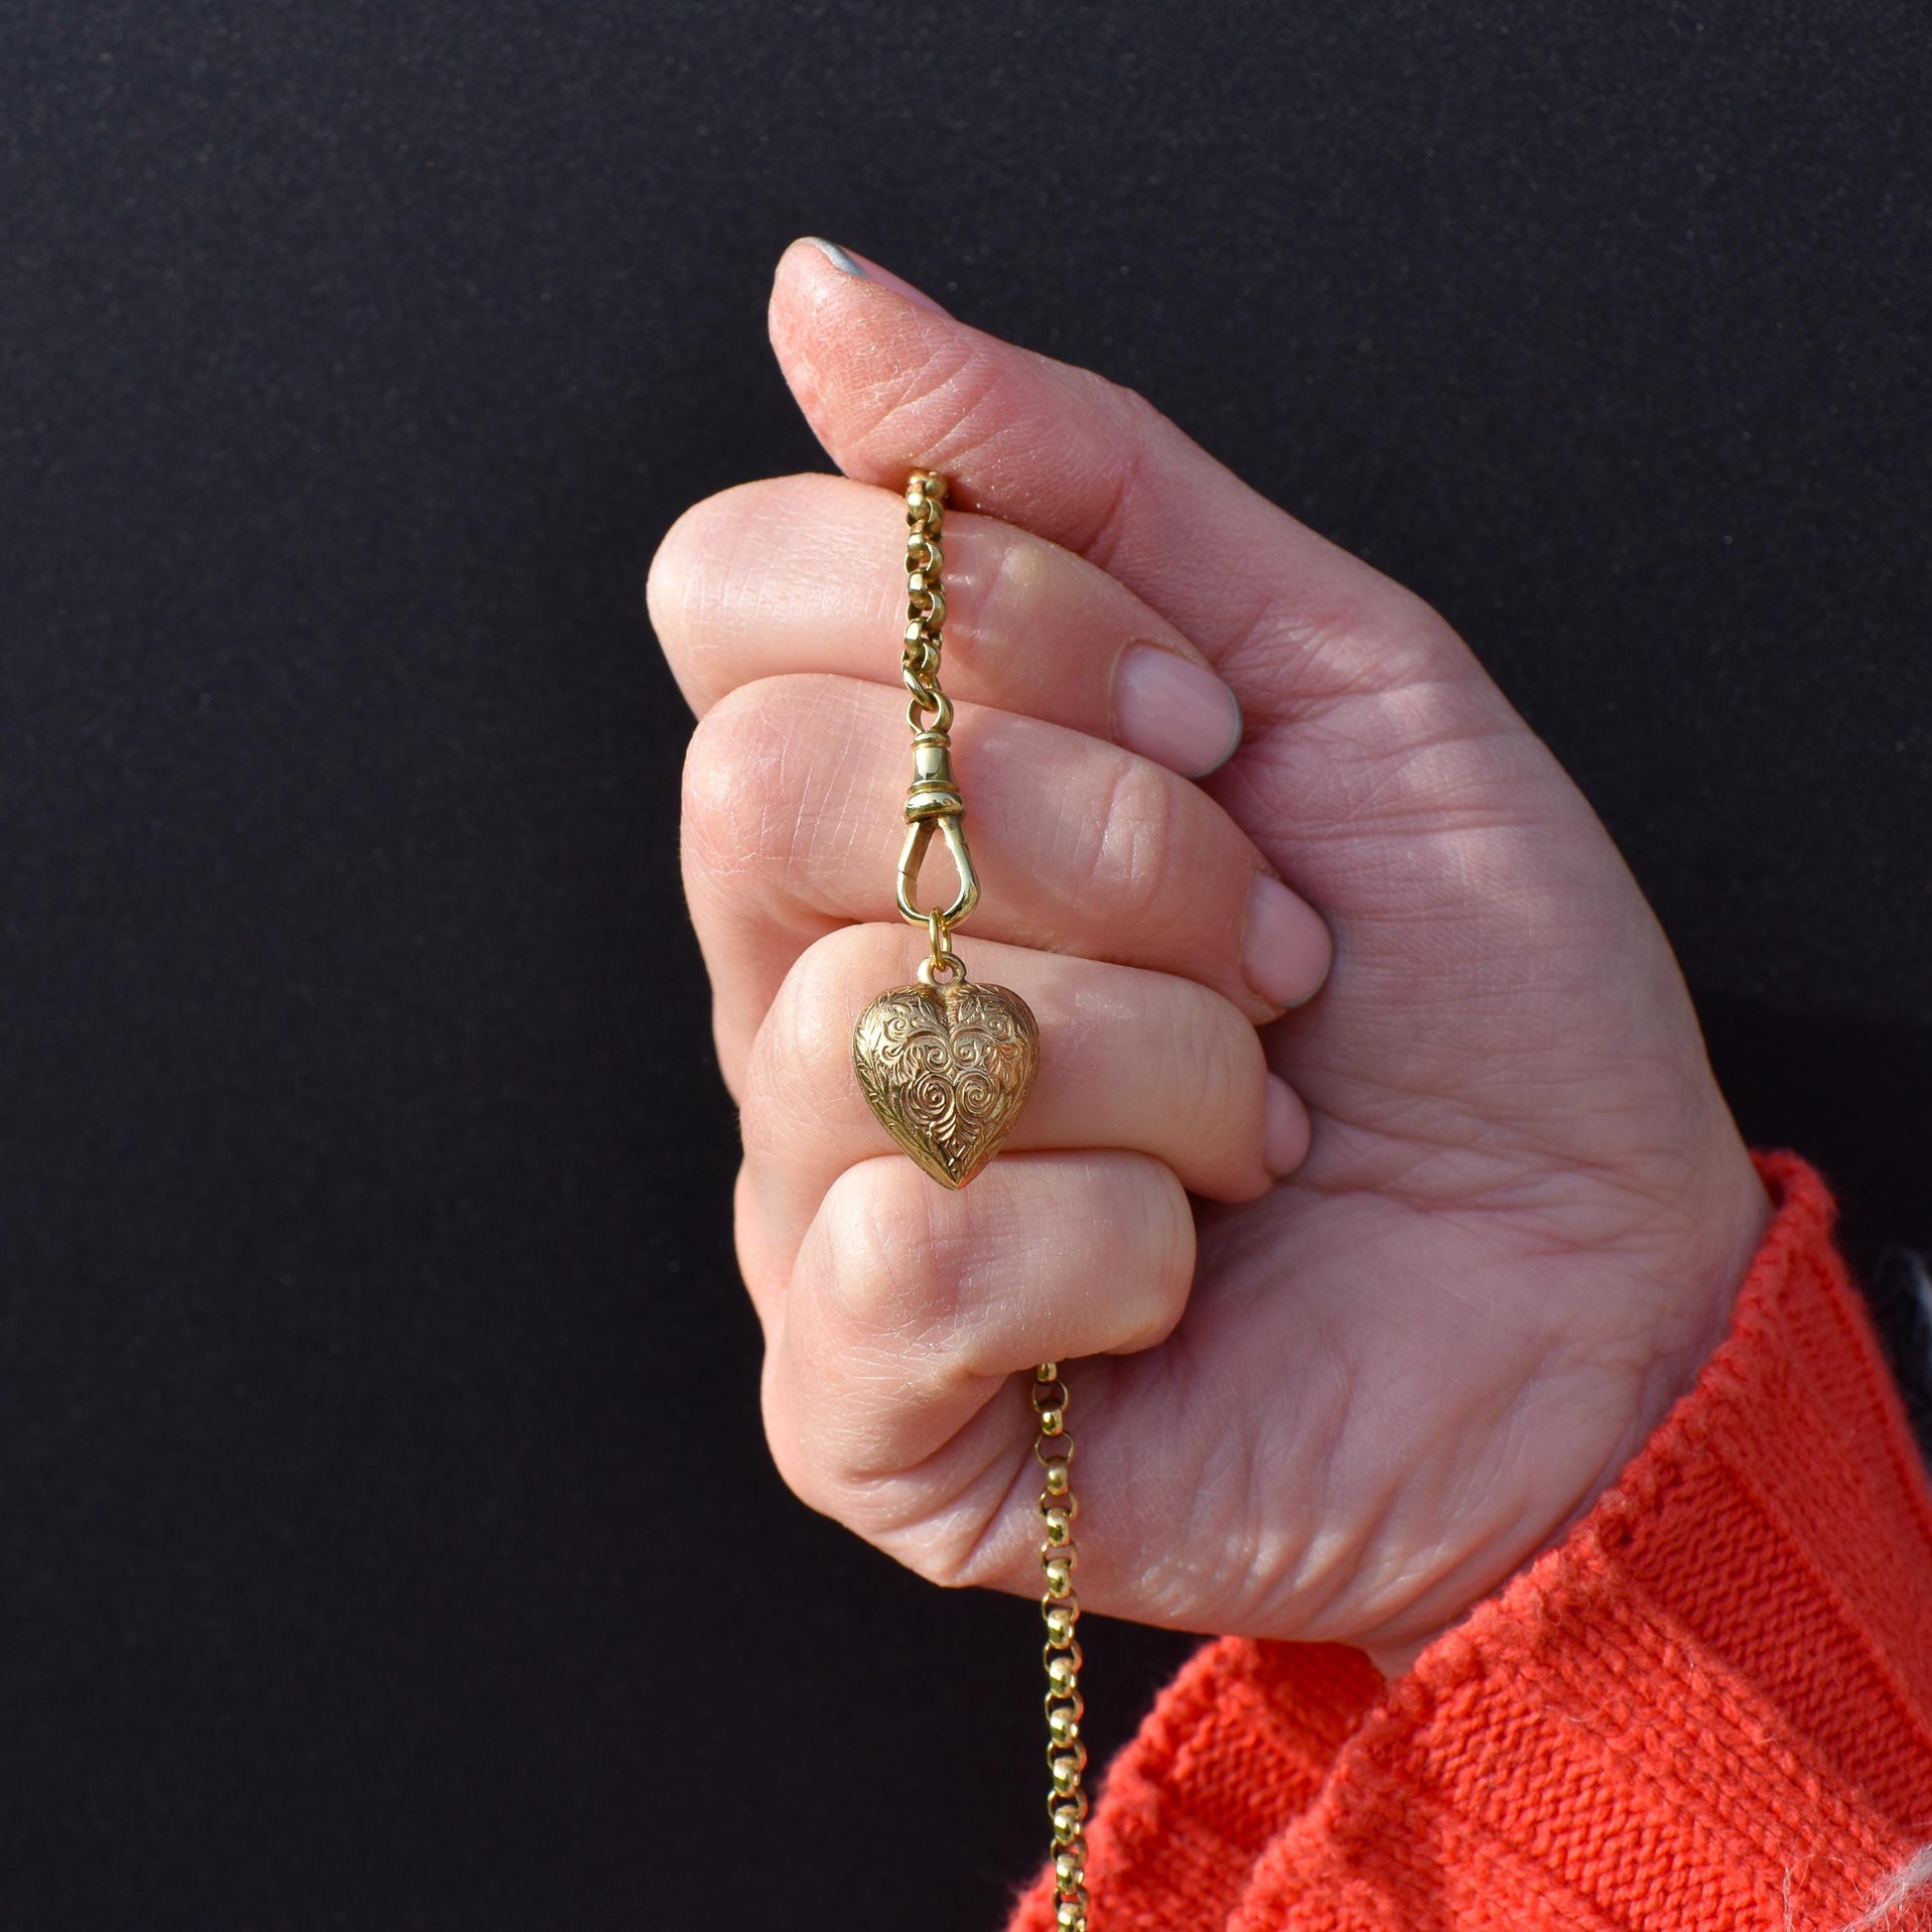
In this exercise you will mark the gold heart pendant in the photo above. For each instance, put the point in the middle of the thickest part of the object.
(947, 1068)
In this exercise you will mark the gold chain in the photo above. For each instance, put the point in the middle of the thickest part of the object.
(934, 802)
(1067, 1753)
(925, 600)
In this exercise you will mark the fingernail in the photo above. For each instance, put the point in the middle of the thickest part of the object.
(1178, 713)
(837, 257)
(1285, 947)
(847, 263)
(1285, 1132)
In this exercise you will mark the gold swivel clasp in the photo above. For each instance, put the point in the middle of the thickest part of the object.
(933, 804)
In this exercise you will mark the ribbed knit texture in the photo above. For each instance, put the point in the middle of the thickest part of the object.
(1710, 1708)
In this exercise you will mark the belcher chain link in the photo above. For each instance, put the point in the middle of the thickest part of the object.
(934, 803)
(1067, 1753)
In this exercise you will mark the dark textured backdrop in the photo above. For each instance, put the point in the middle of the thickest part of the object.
(385, 1534)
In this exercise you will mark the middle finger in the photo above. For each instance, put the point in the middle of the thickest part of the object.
(791, 830)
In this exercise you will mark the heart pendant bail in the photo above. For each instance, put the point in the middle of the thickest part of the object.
(941, 958)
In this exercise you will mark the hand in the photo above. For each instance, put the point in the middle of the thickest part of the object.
(1343, 1405)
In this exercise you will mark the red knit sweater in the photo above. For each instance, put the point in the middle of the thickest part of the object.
(1710, 1708)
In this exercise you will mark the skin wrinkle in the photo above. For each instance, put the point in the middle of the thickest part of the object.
(997, 1555)
(1317, 1431)
(1432, 1590)
(722, 597)
(1101, 539)
(1314, 640)
(1652, 1241)
(699, 597)
(876, 445)
(941, 1283)
(959, 1546)
(900, 346)
(908, 1473)
(1332, 657)
(743, 826)
(980, 1562)
(1433, 1131)
(1444, 759)
(1356, 782)
(1135, 856)
(1276, 1564)
(1366, 1525)
(988, 1561)
(1417, 1610)
(969, 389)
(928, 1283)
(1351, 751)
(790, 517)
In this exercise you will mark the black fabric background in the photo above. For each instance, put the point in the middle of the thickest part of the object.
(386, 1537)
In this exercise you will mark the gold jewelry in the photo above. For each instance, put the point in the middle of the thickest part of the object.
(1066, 1755)
(946, 1063)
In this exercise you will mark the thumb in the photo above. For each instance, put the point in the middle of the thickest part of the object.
(890, 382)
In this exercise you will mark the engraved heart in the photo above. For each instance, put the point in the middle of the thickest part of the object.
(947, 1068)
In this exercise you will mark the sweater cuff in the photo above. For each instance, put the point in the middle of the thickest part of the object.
(1710, 1706)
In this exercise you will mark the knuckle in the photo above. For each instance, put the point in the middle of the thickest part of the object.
(689, 561)
(732, 766)
(1134, 411)
(775, 782)
(973, 1548)
(1017, 586)
(858, 1358)
(1132, 861)
(665, 579)
(894, 1274)
(1155, 1206)
(798, 1443)
(802, 1045)
(712, 572)
(706, 560)
(1217, 1072)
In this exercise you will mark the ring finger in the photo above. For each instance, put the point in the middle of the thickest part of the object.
(1130, 1060)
